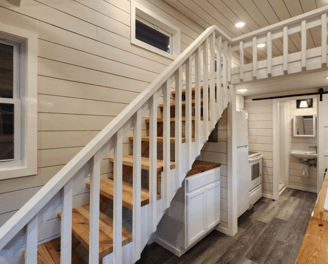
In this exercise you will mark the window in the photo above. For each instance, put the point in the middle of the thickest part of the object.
(150, 31)
(10, 103)
(18, 104)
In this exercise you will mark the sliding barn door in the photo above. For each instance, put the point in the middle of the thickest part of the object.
(322, 138)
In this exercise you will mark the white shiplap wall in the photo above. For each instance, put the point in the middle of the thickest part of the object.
(218, 153)
(88, 72)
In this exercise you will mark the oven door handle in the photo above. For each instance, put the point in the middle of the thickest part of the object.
(256, 158)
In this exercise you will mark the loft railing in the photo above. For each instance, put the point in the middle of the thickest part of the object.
(22, 228)
(306, 59)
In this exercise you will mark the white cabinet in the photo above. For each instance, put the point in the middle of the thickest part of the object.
(212, 206)
(194, 213)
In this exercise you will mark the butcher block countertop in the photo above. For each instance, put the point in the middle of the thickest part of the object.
(314, 249)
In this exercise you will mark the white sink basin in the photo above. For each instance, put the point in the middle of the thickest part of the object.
(304, 154)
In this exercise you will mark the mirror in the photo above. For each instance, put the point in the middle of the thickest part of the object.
(304, 126)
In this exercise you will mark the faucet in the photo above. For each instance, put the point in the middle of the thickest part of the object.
(315, 147)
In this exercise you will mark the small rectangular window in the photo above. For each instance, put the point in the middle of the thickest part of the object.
(152, 36)
(152, 32)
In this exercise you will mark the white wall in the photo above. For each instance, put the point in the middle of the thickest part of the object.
(88, 72)
(298, 143)
(218, 153)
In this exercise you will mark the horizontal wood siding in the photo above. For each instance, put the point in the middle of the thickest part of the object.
(260, 129)
(218, 153)
(88, 72)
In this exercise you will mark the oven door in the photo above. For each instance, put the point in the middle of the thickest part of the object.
(255, 172)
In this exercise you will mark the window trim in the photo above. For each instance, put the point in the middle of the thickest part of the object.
(137, 10)
(27, 165)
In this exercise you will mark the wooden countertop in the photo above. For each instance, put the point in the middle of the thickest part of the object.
(200, 166)
(314, 249)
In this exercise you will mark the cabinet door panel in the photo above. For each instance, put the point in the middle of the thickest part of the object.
(213, 205)
(196, 215)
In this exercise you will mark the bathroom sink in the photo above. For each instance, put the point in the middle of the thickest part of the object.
(304, 154)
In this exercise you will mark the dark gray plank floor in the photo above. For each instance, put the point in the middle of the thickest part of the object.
(270, 233)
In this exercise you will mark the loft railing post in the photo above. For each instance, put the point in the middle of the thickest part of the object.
(254, 58)
(303, 34)
(324, 39)
(117, 216)
(66, 223)
(32, 241)
(285, 50)
(136, 220)
(94, 209)
(269, 51)
(188, 115)
(241, 65)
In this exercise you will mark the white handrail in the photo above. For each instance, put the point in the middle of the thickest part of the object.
(65, 175)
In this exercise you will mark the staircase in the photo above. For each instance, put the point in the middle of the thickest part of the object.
(192, 108)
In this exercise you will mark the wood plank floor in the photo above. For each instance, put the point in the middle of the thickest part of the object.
(272, 232)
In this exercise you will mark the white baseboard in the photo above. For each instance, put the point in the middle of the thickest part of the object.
(167, 246)
(223, 230)
(266, 195)
(306, 189)
(282, 190)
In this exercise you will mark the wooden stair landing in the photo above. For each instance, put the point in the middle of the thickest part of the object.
(49, 253)
(128, 161)
(80, 227)
(107, 190)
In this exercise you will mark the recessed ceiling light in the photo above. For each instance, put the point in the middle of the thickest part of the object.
(240, 24)
(327, 78)
(242, 90)
(261, 45)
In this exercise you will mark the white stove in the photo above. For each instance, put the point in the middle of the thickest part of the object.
(255, 172)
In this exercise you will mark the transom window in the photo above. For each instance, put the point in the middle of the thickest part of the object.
(152, 32)
(152, 36)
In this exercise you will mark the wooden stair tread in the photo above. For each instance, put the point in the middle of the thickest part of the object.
(200, 166)
(80, 227)
(183, 103)
(161, 139)
(49, 253)
(172, 119)
(107, 190)
(128, 161)
(194, 89)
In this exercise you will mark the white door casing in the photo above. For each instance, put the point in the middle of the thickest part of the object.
(322, 128)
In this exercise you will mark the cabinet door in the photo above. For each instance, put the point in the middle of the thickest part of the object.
(213, 201)
(196, 215)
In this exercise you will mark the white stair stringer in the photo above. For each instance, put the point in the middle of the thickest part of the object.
(146, 232)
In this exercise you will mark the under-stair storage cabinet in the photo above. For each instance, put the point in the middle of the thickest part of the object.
(194, 212)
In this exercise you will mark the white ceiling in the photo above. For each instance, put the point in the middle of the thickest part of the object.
(256, 14)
